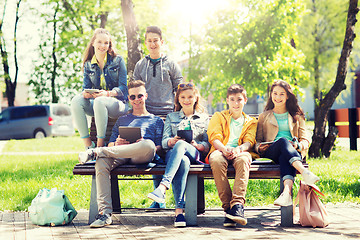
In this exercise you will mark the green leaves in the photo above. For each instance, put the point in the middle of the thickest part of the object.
(252, 49)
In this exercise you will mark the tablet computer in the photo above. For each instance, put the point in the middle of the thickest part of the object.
(131, 134)
(91, 91)
(185, 134)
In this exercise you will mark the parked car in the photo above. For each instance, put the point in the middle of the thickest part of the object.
(37, 121)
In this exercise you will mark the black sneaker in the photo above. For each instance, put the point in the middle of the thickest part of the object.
(236, 213)
(228, 222)
(180, 221)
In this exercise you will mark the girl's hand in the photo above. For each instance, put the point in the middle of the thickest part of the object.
(87, 95)
(102, 93)
(199, 147)
(263, 148)
(173, 141)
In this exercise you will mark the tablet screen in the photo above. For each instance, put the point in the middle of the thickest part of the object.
(131, 134)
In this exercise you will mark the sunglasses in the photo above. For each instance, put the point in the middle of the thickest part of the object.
(184, 85)
(133, 97)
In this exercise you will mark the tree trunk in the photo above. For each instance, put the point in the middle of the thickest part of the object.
(322, 109)
(54, 97)
(132, 35)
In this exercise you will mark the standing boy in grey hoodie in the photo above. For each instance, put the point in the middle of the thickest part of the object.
(160, 74)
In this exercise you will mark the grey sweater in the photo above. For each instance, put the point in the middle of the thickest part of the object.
(161, 81)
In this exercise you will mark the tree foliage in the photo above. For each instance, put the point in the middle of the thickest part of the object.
(251, 45)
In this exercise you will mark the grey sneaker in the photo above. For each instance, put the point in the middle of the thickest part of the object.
(228, 222)
(309, 177)
(101, 221)
(86, 156)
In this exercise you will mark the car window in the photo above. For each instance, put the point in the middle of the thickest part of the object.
(61, 110)
(28, 112)
(4, 115)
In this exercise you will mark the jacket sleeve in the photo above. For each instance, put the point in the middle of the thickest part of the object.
(136, 74)
(259, 132)
(176, 76)
(250, 135)
(86, 82)
(122, 90)
(303, 140)
(167, 133)
(215, 130)
(159, 132)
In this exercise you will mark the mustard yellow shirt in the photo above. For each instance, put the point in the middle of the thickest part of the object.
(102, 77)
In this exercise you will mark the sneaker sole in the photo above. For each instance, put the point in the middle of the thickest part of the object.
(155, 198)
(180, 224)
(100, 226)
(242, 221)
(279, 205)
(229, 224)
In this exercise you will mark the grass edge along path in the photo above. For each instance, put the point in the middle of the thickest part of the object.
(21, 177)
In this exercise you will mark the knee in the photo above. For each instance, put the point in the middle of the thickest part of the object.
(101, 165)
(147, 147)
(99, 102)
(244, 158)
(76, 101)
(283, 141)
(217, 159)
(181, 144)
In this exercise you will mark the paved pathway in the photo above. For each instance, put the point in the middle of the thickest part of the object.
(135, 224)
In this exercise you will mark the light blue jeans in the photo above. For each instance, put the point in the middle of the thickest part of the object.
(101, 108)
(178, 162)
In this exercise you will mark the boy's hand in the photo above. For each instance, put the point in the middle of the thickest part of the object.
(121, 141)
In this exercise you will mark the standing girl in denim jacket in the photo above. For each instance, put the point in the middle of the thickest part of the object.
(106, 71)
(188, 115)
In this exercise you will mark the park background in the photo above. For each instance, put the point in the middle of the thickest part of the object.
(215, 42)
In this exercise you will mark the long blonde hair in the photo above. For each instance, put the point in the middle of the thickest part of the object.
(89, 51)
(189, 86)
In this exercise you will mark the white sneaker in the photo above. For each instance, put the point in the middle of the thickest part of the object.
(101, 221)
(309, 177)
(86, 156)
(284, 200)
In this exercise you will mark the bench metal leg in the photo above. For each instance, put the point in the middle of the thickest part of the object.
(286, 212)
(115, 194)
(191, 200)
(201, 196)
(93, 203)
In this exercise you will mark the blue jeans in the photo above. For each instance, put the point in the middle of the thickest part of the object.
(178, 162)
(283, 153)
(101, 108)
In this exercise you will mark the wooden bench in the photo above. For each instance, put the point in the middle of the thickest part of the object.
(195, 195)
(347, 121)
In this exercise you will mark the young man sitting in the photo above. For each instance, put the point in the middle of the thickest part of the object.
(120, 151)
(232, 135)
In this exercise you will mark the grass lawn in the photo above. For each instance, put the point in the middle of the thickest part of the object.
(21, 177)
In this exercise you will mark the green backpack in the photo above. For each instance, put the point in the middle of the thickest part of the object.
(51, 207)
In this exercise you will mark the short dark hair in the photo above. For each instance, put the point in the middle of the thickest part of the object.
(234, 89)
(153, 29)
(135, 84)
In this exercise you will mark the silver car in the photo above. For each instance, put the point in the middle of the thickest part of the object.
(36, 121)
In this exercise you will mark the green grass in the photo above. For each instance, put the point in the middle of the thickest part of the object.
(50, 144)
(21, 177)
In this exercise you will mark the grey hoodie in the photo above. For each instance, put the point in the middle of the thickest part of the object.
(161, 81)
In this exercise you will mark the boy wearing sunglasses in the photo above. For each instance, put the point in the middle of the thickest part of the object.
(120, 151)
(160, 74)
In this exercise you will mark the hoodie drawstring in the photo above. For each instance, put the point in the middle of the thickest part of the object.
(147, 67)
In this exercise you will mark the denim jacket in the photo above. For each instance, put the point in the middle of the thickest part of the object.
(177, 121)
(114, 73)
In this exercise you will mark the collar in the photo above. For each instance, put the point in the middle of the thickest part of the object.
(182, 114)
(95, 61)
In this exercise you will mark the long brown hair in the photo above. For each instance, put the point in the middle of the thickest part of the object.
(292, 105)
(189, 86)
(89, 51)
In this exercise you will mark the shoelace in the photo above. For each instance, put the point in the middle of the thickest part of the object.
(101, 217)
